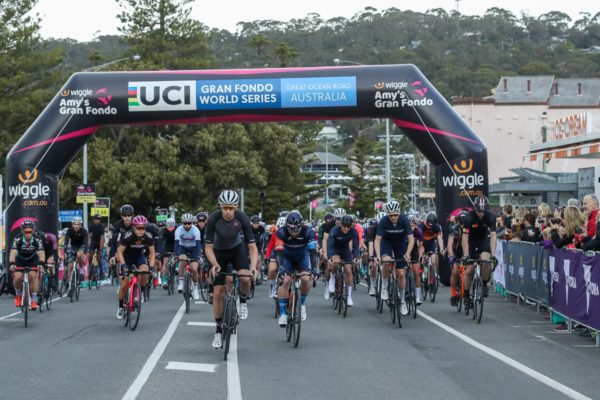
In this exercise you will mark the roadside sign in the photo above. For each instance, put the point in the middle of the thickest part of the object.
(67, 215)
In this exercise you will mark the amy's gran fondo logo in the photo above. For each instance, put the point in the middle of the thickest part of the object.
(86, 102)
(394, 94)
(464, 178)
(32, 192)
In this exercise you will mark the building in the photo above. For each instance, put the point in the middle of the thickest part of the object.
(541, 122)
(330, 170)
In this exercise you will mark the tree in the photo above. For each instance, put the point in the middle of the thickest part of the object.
(258, 42)
(365, 190)
(285, 54)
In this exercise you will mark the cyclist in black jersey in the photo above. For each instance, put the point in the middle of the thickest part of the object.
(224, 246)
(168, 246)
(136, 250)
(76, 240)
(479, 241)
(119, 229)
(26, 251)
(455, 252)
(96, 242)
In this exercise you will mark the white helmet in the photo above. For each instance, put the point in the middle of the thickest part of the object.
(228, 198)
(380, 215)
(77, 220)
(280, 222)
(170, 222)
(339, 212)
(392, 207)
(187, 217)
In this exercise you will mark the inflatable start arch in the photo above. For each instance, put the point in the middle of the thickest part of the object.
(90, 100)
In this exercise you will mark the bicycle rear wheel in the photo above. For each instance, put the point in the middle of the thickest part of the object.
(433, 286)
(411, 298)
(425, 282)
(290, 327)
(42, 293)
(187, 291)
(170, 282)
(203, 286)
(396, 296)
(477, 299)
(393, 301)
(77, 288)
(459, 298)
(135, 305)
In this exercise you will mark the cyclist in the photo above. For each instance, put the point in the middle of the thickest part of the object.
(168, 246)
(96, 244)
(50, 244)
(136, 250)
(154, 230)
(223, 246)
(433, 241)
(188, 245)
(342, 248)
(415, 256)
(479, 240)
(299, 254)
(26, 251)
(394, 240)
(455, 253)
(120, 228)
(370, 237)
(76, 240)
(201, 217)
(273, 254)
(338, 213)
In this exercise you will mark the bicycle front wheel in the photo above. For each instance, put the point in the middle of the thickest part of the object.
(135, 306)
(433, 286)
(187, 283)
(477, 299)
(379, 281)
(296, 317)
(203, 286)
(43, 293)
(290, 327)
(25, 300)
(394, 301)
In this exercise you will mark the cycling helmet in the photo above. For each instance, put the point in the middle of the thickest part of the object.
(126, 209)
(170, 222)
(160, 224)
(328, 217)
(346, 220)
(255, 219)
(296, 211)
(372, 222)
(339, 212)
(392, 207)
(280, 222)
(201, 217)
(97, 216)
(187, 217)
(294, 222)
(229, 198)
(413, 219)
(380, 215)
(431, 219)
(481, 203)
(139, 220)
(27, 223)
(77, 220)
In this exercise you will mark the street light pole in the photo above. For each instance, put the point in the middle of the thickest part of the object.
(326, 172)
(338, 61)
(135, 57)
(388, 173)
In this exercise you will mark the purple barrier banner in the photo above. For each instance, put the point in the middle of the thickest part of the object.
(574, 281)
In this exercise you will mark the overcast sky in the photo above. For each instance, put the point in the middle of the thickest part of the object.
(82, 19)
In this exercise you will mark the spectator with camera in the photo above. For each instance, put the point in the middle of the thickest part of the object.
(530, 232)
(564, 234)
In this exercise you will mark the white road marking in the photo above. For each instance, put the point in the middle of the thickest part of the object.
(200, 302)
(191, 323)
(19, 312)
(363, 284)
(234, 388)
(197, 367)
(144, 374)
(567, 391)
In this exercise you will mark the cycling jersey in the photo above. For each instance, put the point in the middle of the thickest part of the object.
(136, 247)
(188, 241)
(361, 234)
(168, 241)
(118, 231)
(296, 250)
(430, 235)
(96, 232)
(456, 232)
(371, 232)
(226, 234)
(27, 250)
(479, 228)
(76, 239)
(259, 235)
(396, 233)
(414, 254)
(338, 244)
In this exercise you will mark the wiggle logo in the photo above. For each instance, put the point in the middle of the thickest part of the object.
(465, 167)
(379, 85)
(30, 177)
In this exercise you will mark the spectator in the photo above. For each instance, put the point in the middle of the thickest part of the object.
(573, 222)
(574, 202)
(545, 214)
(590, 210)
(517, 223)
(530, 233)
(507, 220)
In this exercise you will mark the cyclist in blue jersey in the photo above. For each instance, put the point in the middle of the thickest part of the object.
(299, 255)
(342, 248)
(338, 213)
(394, 241)
(188, 245)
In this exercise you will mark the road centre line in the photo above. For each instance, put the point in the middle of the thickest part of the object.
(234, 388)
(567, 391)
(191, 323)
(146, 370)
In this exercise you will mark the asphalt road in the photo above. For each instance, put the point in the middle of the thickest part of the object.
(81, 350)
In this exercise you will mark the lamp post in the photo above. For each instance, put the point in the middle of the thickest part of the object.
(338, 61)
(135, 57)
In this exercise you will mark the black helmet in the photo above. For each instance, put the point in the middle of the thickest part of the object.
(97, 216)
(481, 203)
(126, 209)
(27, 223)
(347, 220)
(328, 217)
(431, 219)
(201, 217)
(293, 222)
(255, 219)
(372, 222)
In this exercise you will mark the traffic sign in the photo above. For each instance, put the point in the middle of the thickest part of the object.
(67, 215)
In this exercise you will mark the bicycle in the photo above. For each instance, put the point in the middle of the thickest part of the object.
(378, 282)
(171, 274)
(410, 295)
(94, 272)
(294, 322)
(74, 282)
(393, 301)
(132, 306)
(340, 297)
(460, 287)
(476, 292)
(112, 272)
(46, 292)
(25, 293)
(429, 280)
(230, 315)
(187, 283)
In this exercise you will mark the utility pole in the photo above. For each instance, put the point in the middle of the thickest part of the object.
(457, 1)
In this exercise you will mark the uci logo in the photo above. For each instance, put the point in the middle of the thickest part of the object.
(162, 96)
(30, 177)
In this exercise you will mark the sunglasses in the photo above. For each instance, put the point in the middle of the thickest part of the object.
(228, 208)
(126, 215)
(140, 228)
(346, 226)
(294, 228)
(27, 232)
(394, 215)
(186, 223)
